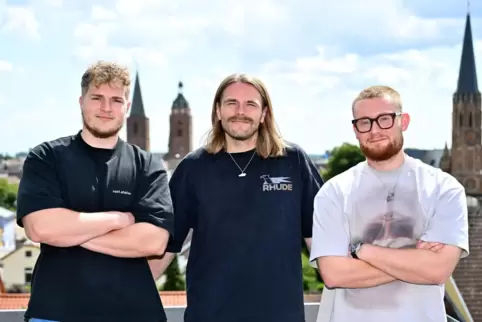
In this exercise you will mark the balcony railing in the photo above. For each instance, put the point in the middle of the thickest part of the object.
(174, 314)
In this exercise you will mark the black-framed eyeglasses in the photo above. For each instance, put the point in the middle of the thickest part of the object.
(384, 121)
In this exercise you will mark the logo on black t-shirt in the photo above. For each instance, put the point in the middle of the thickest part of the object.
(276, 183)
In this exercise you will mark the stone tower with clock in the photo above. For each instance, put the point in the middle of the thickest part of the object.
(464, 160)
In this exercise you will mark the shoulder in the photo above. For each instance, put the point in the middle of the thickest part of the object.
(47, 150)
(430, 176)
(294, 151)
(342, 184)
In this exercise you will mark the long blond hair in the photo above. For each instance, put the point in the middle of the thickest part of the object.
(269, 142)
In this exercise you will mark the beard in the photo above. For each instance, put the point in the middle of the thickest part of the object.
(383, 153)
(240, 136)
(101, 133)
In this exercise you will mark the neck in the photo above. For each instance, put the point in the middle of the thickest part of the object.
(237, 146)
(107, 143)
(387, 165)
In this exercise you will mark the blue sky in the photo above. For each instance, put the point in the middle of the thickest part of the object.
(313, 55)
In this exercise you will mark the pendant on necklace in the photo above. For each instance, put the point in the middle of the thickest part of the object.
(242, 174)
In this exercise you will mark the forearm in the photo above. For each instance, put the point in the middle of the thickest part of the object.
(65, 228)
(418, 266)
(158, 264)
(138, 240)
(345, 272)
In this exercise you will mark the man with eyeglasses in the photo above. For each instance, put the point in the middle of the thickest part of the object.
(388, 232)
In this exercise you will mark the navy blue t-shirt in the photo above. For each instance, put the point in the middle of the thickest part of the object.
(245, 256)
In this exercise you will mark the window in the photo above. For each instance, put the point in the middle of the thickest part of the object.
(28, 275)
(461, 120)
(28, 253)
(470, 119)
(135, 128)
(179, 132)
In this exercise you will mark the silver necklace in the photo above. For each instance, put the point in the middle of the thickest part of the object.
(242, 174)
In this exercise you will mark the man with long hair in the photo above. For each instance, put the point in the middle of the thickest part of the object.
(388, 232)
(98, 206)
(248, 197)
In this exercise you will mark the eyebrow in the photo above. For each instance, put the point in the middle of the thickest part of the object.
(114, 97)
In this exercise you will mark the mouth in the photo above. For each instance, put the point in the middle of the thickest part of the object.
(105, 118)
(377, 140)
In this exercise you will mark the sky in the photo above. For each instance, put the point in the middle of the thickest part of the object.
(314, 57)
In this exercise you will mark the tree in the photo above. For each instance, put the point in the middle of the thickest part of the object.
(8, 194)
(174, 278)
(342, 158)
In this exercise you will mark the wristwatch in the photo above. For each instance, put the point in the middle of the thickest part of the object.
(354, 248)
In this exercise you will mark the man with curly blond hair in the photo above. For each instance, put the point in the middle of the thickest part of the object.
(99, 207)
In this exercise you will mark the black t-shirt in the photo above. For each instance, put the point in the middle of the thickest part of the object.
(245, 255)
(71, 284)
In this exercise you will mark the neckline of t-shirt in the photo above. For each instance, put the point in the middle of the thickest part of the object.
(241, 154)
(397, 171)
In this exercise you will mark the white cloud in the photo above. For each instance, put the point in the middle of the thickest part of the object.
(5, 66)
(21, 20)
(314, 56)
(101, 13)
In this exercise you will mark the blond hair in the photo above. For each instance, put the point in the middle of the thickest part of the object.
(269, 142)
(379, 91)
(102, 73)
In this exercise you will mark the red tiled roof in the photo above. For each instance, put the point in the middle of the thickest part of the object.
(19, 301)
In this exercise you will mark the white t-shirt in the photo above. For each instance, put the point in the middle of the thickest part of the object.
(391, 209)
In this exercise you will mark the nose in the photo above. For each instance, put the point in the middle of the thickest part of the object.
(240, 109)
(375, 128)
(105, 105)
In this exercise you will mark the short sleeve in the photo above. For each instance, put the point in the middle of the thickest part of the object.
(154, 205)
(39, 187)
(449, 223)
(312, 182)
(330, 234)
(184, 201)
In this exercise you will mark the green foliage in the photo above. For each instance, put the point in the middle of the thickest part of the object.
(8, 194)
(342, 158)
(311, 278)
(174, 278)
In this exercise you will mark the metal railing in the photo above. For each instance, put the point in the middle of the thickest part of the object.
(174, 314)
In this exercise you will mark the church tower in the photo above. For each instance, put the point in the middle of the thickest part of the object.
(464, 161)
(137, 122)
(180, 132)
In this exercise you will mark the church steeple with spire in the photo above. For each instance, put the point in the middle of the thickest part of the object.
(466, 119)
(137, 122)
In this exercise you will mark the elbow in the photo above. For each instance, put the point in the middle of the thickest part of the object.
(330, 280)
(36, 232)
(439, 276)
(330, 276)
(156, 246)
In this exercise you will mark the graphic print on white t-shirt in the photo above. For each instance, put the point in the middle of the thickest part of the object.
(385, 212)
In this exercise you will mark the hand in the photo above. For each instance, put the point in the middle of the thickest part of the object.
(434, 247)
(124, 218)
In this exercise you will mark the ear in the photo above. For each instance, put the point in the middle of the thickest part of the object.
(218, 112)
(81, 101)
(404, 121)
(355, 131)
(263, 114)
(128, 107)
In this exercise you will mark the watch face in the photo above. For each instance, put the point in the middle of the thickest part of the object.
(353, 248)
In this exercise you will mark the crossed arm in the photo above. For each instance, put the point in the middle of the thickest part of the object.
(46, 219)
(429, 263)
(443, 243)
